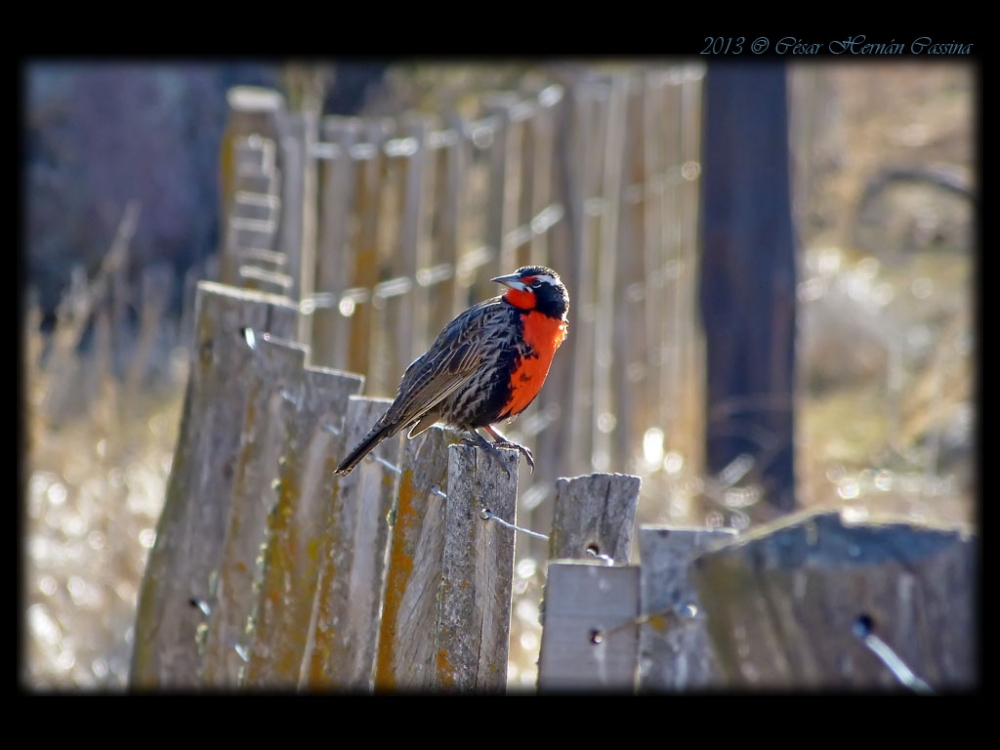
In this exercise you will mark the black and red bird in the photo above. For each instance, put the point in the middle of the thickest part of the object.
(487, 365)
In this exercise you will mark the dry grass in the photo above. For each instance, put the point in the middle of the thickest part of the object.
(885, 417)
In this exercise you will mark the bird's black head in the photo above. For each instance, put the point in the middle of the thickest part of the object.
(536, 288)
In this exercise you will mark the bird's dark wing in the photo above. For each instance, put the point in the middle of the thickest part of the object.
(454, 357)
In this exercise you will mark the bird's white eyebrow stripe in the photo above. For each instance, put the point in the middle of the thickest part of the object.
(544, 277)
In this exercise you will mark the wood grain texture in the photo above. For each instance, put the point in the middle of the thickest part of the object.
(596, 511)
(473, 628)
(674, 650)
(292, 561)
(406, 648)
(274, 374)
(782, 602)
(589, 636)
(354, 547)
(192, 527)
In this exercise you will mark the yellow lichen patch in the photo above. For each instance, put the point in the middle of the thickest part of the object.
(445, 671)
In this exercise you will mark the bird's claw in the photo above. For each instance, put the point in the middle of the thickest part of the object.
(524, 451)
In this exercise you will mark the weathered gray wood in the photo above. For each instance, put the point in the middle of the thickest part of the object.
(450, 185)
(353, 547)
(295, 157)
(595, 512)
(274, 373)
(192, 526)
(413, 243)
(674, 650)
(371, 177)
(783, 600)
(281, 624)
(477, 573)
(590, 635)
(406, 657)
(329, 328)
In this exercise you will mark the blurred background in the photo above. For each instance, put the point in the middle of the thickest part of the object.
(128, 206)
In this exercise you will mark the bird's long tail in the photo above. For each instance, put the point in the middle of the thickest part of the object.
(378, 433)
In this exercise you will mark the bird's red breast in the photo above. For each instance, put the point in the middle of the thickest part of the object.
(543, 334)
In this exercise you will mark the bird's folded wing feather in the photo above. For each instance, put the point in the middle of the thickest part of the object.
(453, 358)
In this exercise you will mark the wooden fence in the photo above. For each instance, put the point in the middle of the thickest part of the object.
(269, 570)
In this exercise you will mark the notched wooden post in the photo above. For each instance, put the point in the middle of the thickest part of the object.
(176, 588)
(590, 633)
(784, 602)
(674, 650)
(595, 512)
(477, 572)
(406, 648)
(275, 377)
(354, 544)
(296, 527)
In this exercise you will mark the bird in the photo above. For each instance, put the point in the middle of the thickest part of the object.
(486, 365)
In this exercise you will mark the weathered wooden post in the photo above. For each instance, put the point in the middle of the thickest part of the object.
(296, 528)
(405, 654)
(178, 589)
(590, 629)
(477, 572)
(274, 379)
(353, 549)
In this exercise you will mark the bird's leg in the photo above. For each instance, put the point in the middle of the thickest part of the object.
(502, 442)
(486, 445)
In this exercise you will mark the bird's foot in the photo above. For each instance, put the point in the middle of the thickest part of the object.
(492, 453)
(504, 443)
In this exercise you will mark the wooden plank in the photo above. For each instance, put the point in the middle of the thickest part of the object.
(450, 208)
(783, 602)
(413, 244)
(371, 174)
(595, 512)
(275, 373)
(477, 572)
(674, 649)
(295, 155)
(589, 636)
(353, 548)
(329, 327)
(406, 649)
(191, 530)
(292, 562)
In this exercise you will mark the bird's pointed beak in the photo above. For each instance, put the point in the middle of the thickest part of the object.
(512, 280)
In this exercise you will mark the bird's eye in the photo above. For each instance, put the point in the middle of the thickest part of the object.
(536, 283)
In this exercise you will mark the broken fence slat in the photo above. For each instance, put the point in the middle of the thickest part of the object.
(784, 603)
